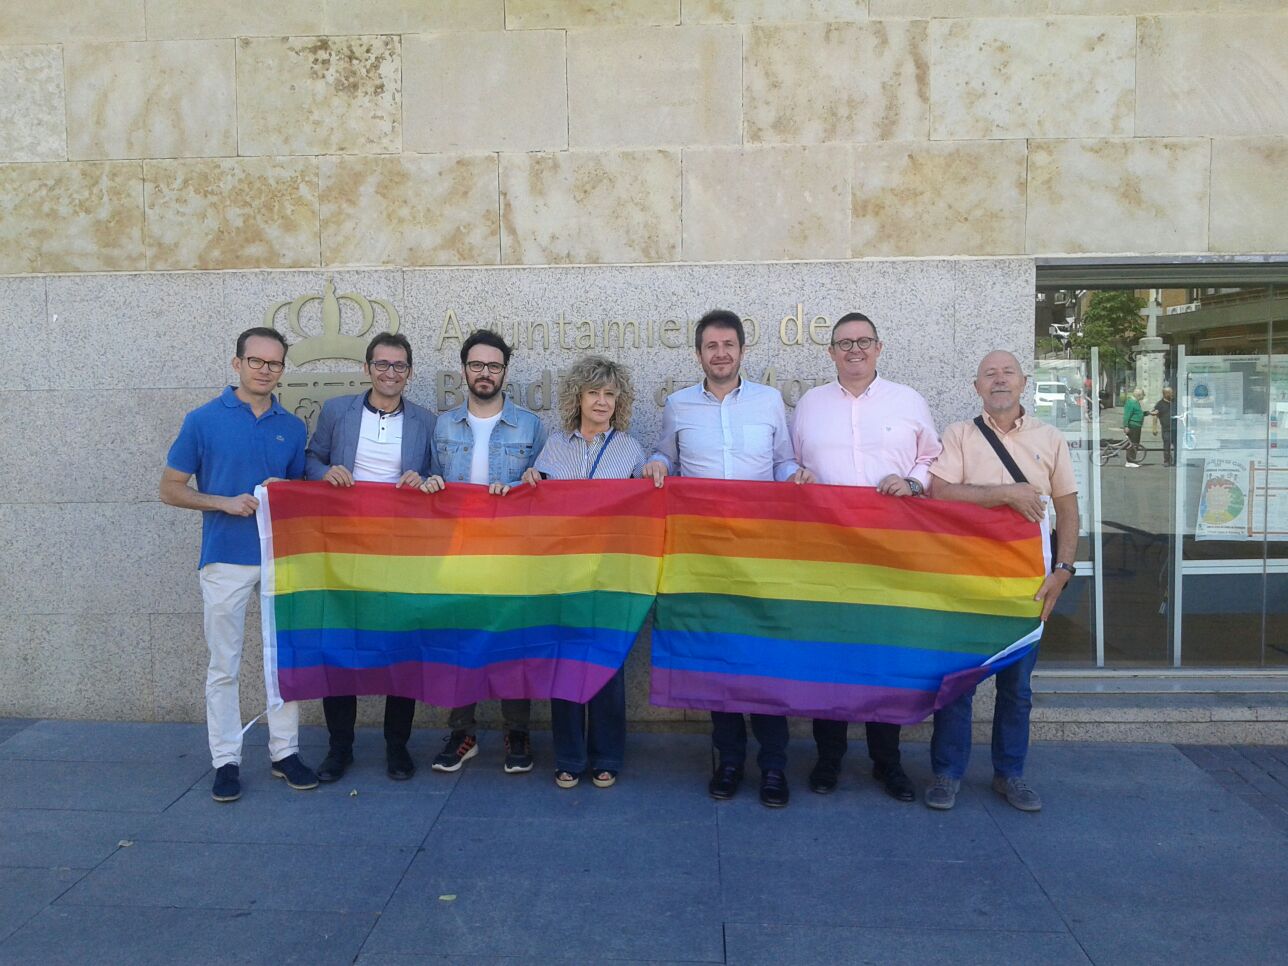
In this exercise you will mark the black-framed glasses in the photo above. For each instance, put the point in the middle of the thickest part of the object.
(495, 368)
(384, 365)
(255, 362)
(864, 342)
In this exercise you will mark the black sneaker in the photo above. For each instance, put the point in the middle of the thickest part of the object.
(297, 774)
(227, 784)
(518, 752)
(458, 748)
(334, 766)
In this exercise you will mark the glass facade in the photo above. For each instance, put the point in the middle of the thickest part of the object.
(1175, 405)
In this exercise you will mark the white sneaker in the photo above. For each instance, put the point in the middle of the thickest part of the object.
(1133, 466)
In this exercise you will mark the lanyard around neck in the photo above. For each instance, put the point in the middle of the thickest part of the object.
(595, 465)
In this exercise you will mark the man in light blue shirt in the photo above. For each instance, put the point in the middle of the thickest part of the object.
(490, 441)
(727, 428)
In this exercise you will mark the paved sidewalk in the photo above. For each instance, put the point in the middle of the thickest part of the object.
(111, 851)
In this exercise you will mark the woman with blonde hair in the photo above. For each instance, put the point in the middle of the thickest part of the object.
(591, 443)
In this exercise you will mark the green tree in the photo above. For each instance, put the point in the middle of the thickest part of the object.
(1113, 324)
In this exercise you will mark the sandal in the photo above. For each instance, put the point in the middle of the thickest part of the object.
(566, 779)
(604, 778)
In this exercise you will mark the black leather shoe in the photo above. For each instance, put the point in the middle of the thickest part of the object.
(399, 764)
(724, 783)
(823, 778)
(773, 789)
(334, 766)
(897, 783)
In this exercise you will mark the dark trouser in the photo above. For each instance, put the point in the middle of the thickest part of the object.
(593, 733)
(729, 735)
(516, 713)
(1133, 434)
(1167, 449)
(883, 740)
(342, 712)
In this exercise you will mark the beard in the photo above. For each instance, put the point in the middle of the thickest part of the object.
(484, 394)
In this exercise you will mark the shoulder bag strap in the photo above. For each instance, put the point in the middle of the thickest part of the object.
(1007, 460)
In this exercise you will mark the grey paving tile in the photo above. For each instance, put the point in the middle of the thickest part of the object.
(75, 935)
(1105, 764)
(531, 848)
(331, 815)
(108, 786)
(865, 825)
(750, 944)
(501, 915)
(217, 876)
(13, 726)
(47, 839)
(99, 741)
(580, 952)
(984, 893)
(24, 892)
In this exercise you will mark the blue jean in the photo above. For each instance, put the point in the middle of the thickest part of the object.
(593, 733)
(950, 743)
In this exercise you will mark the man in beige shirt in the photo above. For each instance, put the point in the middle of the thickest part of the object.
(972, 471)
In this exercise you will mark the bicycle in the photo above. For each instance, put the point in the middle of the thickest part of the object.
(1132, 452)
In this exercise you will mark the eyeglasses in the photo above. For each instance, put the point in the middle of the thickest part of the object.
(255, 362)
(495, 368)
(865, 343)
(384, 365)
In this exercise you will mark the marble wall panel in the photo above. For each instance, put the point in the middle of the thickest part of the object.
(770, 11)
(517, 102)
(592, 206)
(130, 331)
(33, 124)
(107, 677)
(958, 8)
(1249, 203)
(105, 444)
(1212, 76)
(1012, 78)
(410, 210)
(766, 203)
(60, 21)
(411, 16)
(196, 19)
(234, 213)
(938, 198)
(1140, 195)
(319, 95)
(540, 14)
(800, 84)
(98, 558)
(22, 317)
(151, 100)
(81, 217)
(653, 86)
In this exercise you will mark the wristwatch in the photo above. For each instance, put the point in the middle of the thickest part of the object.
(1064, 566)
(915, 486)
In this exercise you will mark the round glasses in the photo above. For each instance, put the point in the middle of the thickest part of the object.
(864, 342)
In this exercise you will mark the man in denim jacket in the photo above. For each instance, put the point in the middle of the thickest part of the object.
(491, 441)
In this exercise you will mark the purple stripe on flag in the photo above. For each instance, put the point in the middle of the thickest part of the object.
(711, 691)
(448, 685)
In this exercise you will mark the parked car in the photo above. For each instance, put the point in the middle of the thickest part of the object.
(1051, 400)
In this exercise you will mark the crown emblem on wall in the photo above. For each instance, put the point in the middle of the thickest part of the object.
(332, 343)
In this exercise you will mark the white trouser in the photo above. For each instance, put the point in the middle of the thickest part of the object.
(226, 590)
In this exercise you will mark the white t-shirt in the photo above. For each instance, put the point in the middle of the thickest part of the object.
(379, 455)
(481, 426)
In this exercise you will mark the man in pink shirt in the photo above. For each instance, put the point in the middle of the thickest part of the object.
(862, 430)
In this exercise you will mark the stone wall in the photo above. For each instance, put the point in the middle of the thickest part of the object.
(147, 135)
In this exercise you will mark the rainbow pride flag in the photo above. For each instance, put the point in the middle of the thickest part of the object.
(809, 600)
(837, 602)
(454, 597)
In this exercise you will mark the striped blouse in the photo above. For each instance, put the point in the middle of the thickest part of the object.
(568, 456)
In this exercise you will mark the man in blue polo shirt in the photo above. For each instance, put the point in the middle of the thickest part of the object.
(233, 443)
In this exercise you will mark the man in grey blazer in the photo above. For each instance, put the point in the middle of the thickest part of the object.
(379, 437)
